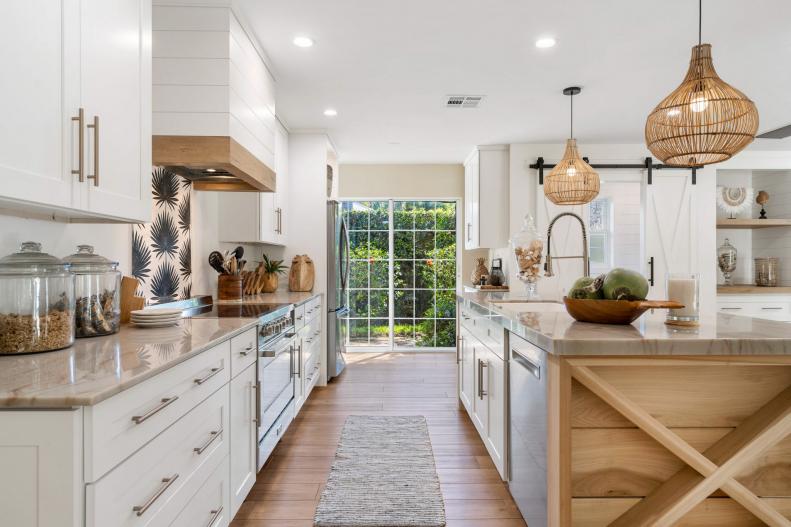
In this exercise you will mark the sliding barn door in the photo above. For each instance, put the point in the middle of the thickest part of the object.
(671, 234)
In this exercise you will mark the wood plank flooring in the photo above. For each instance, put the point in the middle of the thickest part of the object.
(289, 486)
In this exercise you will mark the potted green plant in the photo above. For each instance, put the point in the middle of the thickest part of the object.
(272, 270)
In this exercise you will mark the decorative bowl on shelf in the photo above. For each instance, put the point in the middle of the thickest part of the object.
(613, 311)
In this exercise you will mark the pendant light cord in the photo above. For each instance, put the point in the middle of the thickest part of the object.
(571, 124)
(700, 22)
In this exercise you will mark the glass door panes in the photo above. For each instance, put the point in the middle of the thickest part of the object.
(403, 273)
(369, 282)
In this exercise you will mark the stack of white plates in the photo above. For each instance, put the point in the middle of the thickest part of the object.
(156, 318)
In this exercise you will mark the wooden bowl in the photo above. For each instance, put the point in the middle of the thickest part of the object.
(614, 311)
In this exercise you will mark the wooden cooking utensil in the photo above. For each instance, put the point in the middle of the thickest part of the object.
(129, 303)
(614, 311)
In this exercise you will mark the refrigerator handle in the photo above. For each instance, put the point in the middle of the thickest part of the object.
(345, 256)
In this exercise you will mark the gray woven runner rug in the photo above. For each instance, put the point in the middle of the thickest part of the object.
(383, 476)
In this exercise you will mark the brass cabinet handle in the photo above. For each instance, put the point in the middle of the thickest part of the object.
(212, 373)
(481, 391)
(215, 516)
(213, 435)
(80, 120)
(95, 175)
(167, 401)
(141, 509)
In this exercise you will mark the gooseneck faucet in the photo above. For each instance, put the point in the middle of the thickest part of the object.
(585, 259)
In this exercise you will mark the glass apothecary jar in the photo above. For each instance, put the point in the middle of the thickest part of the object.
(98, 292)
(766, 271)
(36, 302)
(726, 260)
(527, 246)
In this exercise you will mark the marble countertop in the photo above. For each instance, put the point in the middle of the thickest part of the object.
(94, 369)
(557, 332)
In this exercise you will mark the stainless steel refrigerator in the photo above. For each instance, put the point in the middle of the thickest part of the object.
(338, 262)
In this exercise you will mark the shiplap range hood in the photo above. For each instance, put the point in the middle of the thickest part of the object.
(213, 100)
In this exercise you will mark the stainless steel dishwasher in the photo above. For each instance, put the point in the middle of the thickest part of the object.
(527, 430)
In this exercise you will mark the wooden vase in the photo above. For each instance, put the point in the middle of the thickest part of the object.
(229, 287)
(302, 274)
(270, 283)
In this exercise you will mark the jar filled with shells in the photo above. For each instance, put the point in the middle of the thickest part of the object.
(98, 292)
(528, 249)
(36, 302)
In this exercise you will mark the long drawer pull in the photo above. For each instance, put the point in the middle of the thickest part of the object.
(167, 482)
(80, 120)
(212, 373)
(245, 352)
(731, 308)
(164, 404)
(215, 515)
(481, 391)
(257, 389)
(214, 435)
(95, 127)
(772, 308)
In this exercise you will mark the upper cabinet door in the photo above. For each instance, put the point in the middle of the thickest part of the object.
(116, 94)
(40, 64)
(281, 195)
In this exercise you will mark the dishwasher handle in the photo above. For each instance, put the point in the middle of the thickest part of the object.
(526, 363)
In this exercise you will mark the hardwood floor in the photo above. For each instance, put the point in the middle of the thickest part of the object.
(289, 486)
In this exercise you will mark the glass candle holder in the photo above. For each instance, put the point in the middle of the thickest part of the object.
(684, 289)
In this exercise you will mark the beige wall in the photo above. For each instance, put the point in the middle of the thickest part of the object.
(409, 181)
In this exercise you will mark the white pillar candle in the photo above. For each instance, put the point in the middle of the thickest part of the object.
(683, 289)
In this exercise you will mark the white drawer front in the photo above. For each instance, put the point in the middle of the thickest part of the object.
(155, 484)
(210, 505)
(313, 308)
(243, 351)
(120, 425)
(299, 317)
(269, 441)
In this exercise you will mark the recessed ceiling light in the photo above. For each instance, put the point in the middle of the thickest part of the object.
(330, 112)
(546, 42)
(303, 41)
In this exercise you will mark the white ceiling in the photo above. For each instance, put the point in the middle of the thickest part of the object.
(386, 66)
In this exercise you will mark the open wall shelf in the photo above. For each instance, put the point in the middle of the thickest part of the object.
(742, 223)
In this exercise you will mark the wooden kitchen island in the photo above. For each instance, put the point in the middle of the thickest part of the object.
(650, 425)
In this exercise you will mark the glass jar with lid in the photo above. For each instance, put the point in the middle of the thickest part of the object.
(766, 272)
(36, 301)
(98, 292)
(527, 246)
(726, 260)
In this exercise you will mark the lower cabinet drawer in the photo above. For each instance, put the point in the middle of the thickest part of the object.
(154, 485)
(209, 507)
(267, 445)
(117, 427)
(313, 308)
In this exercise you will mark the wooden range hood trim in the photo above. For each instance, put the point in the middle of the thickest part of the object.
(185, 153)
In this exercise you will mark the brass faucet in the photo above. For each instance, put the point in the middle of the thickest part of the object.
(585, 259)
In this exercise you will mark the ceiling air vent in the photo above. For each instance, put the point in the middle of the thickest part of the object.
(463, 101)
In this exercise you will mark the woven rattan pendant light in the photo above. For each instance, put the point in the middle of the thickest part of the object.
(572, 181)
(705, 120)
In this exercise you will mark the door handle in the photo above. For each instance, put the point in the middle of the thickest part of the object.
(212, 436)
(80, 120)
(141, 509)
(651, 272)
(481, 391)
(95, 175)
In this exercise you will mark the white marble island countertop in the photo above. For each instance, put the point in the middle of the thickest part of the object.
(94, 369)
(557, 332)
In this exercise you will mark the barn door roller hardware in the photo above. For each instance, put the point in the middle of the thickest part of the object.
(648, 165)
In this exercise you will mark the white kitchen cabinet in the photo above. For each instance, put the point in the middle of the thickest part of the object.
(486, 197)
(769, 307)
(482, 381)
(89, 58)
(41, 456)
(466, 368)
(299, 364)
(259, 217)
(244, 436)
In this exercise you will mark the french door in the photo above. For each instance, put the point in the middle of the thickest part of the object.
(403, 278)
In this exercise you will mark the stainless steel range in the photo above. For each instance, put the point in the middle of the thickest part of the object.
(276, 366)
